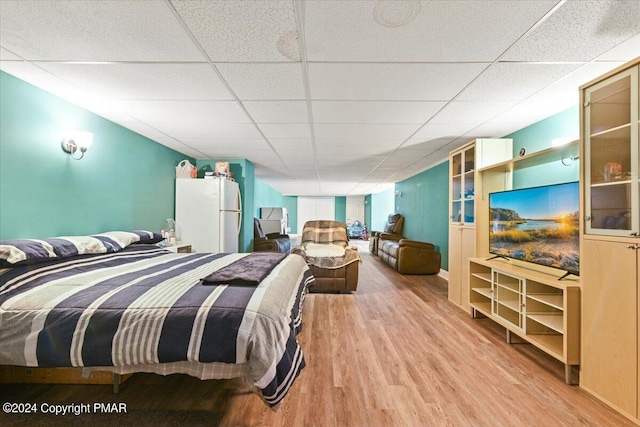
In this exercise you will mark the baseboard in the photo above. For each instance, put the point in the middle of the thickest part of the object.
(444, 274)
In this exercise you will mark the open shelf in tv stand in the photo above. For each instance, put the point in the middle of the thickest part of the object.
(532, 304)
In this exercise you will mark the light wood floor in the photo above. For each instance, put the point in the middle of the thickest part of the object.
(394, 353)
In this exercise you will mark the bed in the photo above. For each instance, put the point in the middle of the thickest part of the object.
(125, 306)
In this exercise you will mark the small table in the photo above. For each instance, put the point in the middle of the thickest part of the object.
(180, 248)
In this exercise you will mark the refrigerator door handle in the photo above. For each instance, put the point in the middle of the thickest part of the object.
(240, 210)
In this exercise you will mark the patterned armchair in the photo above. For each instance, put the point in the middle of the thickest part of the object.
(325, 247)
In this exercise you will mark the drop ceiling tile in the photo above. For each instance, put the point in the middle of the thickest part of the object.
(359, 143)
(233, 31)
(143, 129)
(264, 81)
(471, 111)
(295, 155)
(410, 82)
(278, 111)
(514, 81)
(290, 144)
(95, 31)
(185, 112)
(401, 31)
(143, 81)
(579, 31)
(8, 55)
(206, 130)
(364, 130)
(625, 51)
(374, 111)
(428, 144)
(239, 144)
(286, 130)
(432, 131)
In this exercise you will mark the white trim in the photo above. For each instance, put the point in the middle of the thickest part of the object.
(444, 274)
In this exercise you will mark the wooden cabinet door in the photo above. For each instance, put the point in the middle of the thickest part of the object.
(467, 250)
(609, 368)
(455, 273)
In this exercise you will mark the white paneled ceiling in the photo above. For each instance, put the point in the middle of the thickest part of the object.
(323, 97)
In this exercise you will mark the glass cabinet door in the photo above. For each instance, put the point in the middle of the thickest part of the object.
(462, 186)
(611, 151)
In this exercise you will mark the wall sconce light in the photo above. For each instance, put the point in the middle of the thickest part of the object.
(398, 194)
(77, 141)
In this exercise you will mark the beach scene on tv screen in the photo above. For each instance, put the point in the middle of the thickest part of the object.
(539, 225)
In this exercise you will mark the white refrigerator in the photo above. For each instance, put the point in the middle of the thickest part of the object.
(208, 214)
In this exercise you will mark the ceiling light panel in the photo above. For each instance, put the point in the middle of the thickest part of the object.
(374, 111)
(95, 31)
(143, 81)
(264, 81)
(449, 31)
(579, 31)
(234, 31)
(378, 82)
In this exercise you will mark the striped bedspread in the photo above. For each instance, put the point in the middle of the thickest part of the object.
(144, 309)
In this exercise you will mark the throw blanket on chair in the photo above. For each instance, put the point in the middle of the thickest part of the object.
(325, 244)
(248, 271)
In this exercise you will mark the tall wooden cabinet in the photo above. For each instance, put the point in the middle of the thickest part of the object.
(464, 163)
(610, 246)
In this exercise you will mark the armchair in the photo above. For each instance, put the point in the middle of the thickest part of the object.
(392, 231)
(272, 242)
(325, 247)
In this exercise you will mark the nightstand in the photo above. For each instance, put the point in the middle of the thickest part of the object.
(180, 248)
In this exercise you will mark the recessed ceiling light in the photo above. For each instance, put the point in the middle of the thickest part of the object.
(395, 13)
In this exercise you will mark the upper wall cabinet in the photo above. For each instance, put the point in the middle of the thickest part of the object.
(463, 165)
(611, 155)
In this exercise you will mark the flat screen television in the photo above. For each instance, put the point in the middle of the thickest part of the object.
(538, 225)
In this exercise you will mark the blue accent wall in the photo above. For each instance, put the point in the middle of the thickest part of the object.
(425, 207)
(539, 136)
(382, 205)
(367, 212)
(125, 181)
(340, 208)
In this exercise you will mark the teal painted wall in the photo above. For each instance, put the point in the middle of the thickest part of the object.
(424, 204)
(291, 203)
(265, 196)
(537, 137)
(244, 173)
(382, 204)
(124, 181)
(340, 208)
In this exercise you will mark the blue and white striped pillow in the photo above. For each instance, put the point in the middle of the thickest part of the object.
(19, 251)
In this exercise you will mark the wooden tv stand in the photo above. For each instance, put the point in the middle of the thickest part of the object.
(531, 304)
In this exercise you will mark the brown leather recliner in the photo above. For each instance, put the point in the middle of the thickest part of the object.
(272, 242)
(392, 231)
(410, 256)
